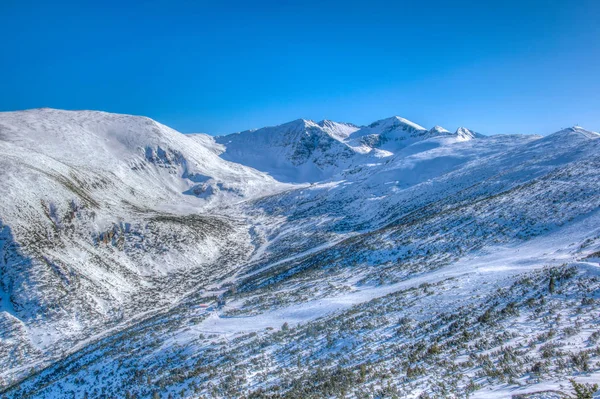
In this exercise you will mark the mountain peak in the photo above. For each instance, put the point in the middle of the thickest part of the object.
(465, 134)
(575, 131)
(394, 122)
(298, 151)
(437, 129)
(298, 123)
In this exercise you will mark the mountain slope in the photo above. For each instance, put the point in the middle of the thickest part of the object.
(105, 216)
(424, 261)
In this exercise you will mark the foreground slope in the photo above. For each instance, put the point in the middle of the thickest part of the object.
(433, 263)
(104, 216)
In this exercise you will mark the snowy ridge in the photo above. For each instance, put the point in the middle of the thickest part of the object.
(305, 151)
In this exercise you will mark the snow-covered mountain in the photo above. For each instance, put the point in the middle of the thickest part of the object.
(140, 262)
(298, 151)
(101, 214)
(306, 151)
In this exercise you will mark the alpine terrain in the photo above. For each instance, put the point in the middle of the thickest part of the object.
(306, 260)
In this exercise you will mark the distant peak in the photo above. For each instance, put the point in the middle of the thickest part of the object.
(575, 131)
(296, 124)
(395, 121)
(465, 134)
(300, 121)
(437, 129)
(581, 129)
(463, 130)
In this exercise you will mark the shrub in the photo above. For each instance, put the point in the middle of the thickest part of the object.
(583, 391)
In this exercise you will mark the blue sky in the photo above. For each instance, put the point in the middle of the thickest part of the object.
(223, 66)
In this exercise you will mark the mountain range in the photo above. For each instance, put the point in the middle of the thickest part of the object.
(307, 151)
(305, 260)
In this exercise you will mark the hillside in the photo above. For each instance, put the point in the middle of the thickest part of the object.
(106, 216)
(140, 262)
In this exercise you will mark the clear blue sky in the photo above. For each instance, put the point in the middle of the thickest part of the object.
(222, 66)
